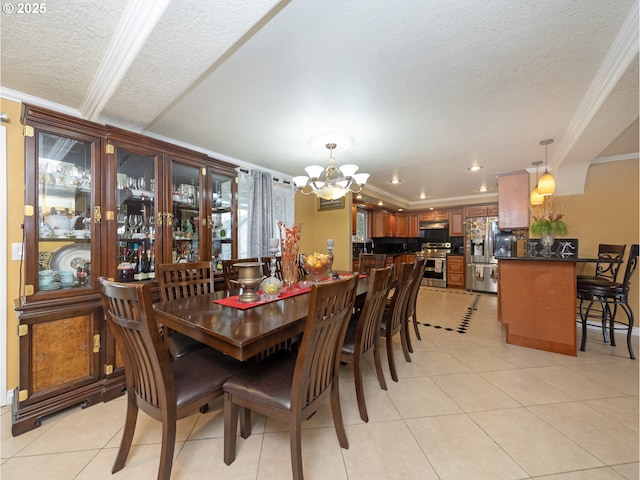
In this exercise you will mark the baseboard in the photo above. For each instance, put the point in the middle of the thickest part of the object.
(6, 399)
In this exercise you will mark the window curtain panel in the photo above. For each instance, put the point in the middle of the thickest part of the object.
(262, 202)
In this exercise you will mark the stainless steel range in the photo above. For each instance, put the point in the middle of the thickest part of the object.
(435, 267)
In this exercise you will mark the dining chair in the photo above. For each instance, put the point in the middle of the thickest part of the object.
(165, 390)
(180, 280)
(230, 272)
(606, 269)
(608, 293)
(364, 335)
(290, 388)
(394, 317)
(412, 300)
(367, 261)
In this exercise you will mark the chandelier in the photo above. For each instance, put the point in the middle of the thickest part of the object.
(333, 182)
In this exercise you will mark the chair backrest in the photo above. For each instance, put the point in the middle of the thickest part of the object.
(398, 305)
(367, 261)
(368, 330)
(418, 274)
(146, 360)
(318, 361)
(179, 280)
(231, 273)
(632, 263)
(609, 270)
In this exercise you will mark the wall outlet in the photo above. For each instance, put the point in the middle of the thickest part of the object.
(16, 251)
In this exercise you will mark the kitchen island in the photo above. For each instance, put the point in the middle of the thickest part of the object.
(537, 301)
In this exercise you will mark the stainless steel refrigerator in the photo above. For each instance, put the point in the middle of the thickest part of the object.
(481, 234)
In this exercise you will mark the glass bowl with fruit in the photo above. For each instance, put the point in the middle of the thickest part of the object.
(317, 265)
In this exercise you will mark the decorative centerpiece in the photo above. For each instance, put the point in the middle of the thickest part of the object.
(289, 250)
(272, 286)
(547, 224)
(318, 265)
(249, 278)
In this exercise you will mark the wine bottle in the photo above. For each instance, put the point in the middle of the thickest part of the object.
(124, 271)
(139, 273)
(152, 263)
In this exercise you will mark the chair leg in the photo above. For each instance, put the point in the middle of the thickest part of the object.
(392, 362)
(415, 326)
(404, 340)
(612, 322)
(245, 422)
(295, 442)
(378, 363)
(127, 435)
(336, 411)
(630, 318)
(357, 376)
(407, 335)
(584, 316)
(230, 428)
(168, 446)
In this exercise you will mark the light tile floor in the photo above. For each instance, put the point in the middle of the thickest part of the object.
(468, 406)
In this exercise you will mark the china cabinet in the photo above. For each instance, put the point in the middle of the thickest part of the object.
(102, 201)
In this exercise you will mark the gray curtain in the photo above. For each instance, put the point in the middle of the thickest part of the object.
(260, 219)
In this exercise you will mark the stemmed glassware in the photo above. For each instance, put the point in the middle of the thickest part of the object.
(135, 222)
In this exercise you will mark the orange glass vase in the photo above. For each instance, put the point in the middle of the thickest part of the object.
(290, 249)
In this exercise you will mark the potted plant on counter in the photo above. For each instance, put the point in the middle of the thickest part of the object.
(547, 224)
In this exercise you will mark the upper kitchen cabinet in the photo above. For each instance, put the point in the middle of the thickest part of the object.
(513, 200)
(456, 223)
(384, 224)
(481, 211)
(434, 215)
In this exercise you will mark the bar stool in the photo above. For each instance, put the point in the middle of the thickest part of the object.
(609, 293)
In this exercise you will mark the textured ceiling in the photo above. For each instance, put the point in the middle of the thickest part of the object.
(426, 88)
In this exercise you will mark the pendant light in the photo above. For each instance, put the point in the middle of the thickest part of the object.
(535, 198)
(546, 184)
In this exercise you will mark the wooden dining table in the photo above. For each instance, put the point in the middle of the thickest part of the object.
(240, 333)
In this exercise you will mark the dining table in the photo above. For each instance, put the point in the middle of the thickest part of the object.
(240, 331)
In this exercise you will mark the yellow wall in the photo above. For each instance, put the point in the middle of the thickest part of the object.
(606, 213)
(318, 226)
(15, 203)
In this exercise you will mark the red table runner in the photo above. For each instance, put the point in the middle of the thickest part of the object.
(286, 293)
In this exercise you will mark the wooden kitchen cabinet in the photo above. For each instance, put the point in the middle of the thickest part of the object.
(434, 215)
(513, 200)
(456, 223)
(481, 211)
(455, 271)
(93, 194)
(384, 224)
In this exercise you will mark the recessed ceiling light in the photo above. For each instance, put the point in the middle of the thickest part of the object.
(483, 188)
(380, 203)
(422, 196)
(401, 209)
(359, 196)
(395, 181)
(474, 168)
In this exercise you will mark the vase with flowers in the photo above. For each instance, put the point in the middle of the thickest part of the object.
(547, 224)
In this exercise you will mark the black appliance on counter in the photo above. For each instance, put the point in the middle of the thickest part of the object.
(435, 267)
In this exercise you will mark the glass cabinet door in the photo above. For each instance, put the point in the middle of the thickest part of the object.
(136, 215)
(222, 222)
(65, 174)
(185, 212)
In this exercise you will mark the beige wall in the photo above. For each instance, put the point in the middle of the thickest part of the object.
(15, 204)
(606, 213)
(318, 226)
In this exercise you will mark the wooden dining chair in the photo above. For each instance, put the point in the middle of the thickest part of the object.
(179, 280)
(291, 388)
(394, 317)
(367, 261)
(163, 389)
(412, 300)
(363, 337)
(230, 272)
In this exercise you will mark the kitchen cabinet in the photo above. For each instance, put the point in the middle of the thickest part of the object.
(401, 225)
(434, 215)
(413, 225)
(455, 271)
(513, 200)
(99, 199)
(384, 224)
(456, 223)
(481, 211)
